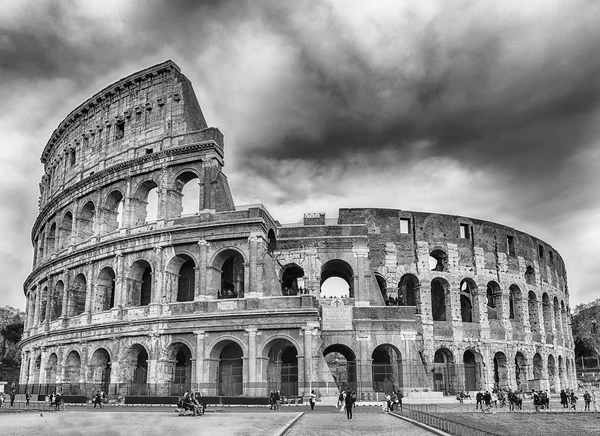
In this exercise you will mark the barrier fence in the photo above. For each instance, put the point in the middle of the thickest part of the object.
(445, 424)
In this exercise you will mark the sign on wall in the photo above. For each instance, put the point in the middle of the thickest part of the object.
(337, 316)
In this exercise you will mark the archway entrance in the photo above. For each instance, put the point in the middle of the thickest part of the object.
(51, 367)
(282, 369)
(471, 371)
(72, 375)
(333, 275)
(500, 370)
(231, 370)
(135, 367)
(181, 373)
(386, 368)
(444, 374)
(520, 369)
(341, 361)
(100, 369)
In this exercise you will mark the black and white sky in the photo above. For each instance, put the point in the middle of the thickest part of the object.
(485, 109)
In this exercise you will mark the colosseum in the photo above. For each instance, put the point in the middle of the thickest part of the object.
(148, 279)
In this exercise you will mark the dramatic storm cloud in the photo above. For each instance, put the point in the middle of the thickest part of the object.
(483, 109)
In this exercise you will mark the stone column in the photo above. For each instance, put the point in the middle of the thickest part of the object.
(308, 347)
(38, 305)
(253, 255)
(48, 304)
(64, 310)
(157, 284)
(201, 290)
(120, 281)
(89, 291)
(200, 361)
(361, 254)
(363, 366)
(126, 219)
(252, 382)
(30, 310)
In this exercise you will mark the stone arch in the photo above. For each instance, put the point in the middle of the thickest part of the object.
(340, 269)
(341, 361)
(444, 372)
(440, 307)
(472, 364)
(386, 368)
(185, 183)
(104, 295)
(533, 311)
(557, 320)
(227, 366)
(65, 231)
(77, 294)
(229, 266)
(51, 369)
(469, 301)
(100, 368)
(178, 366)
(547, 313)
(180, 278)
(72, 370)
(51, 239)
(382, 284)
(272, 240)
(292, 279)
(514, 303)
(494, 300)
(438, 260)
(538, 366)
(134, 369)
(552, 374)
(281, 370)
(409, 288)
(57, 299)
(138, 204)
(140, 283)
(529, 275)
(86, 221)
(113, 211)
(501, 380)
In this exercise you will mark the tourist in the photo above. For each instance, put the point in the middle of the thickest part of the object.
(342, 400)
(479, 399)
(494, 399)
(593, 397)
(57, 400)
(313, 399)
(388, 402)
(393, 400)
(573, 400)
(12, 395)
(277, 400)
(487, 398)
(349, 403)
(563, 399)
(27, 398)
(272, 399)
(587, 399)
(399, 402)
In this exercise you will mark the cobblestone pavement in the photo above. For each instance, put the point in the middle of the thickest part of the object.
(367, 421)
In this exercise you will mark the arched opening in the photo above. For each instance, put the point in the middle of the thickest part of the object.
(40, 247)
(87, 221)
(57, 298)
(408, 289)
(51, 370)
(382, 284)
(439, 289)
(140, 284)
(386, 368)
(72, 374)
(333, 273)
(77, 295)
(494, 301)
(514, 304)
(104, 296)
(530, 275)
(561, 372)
(144, 204)
(135, 366)
(181, 373)
(557, 323)
(282, 368)
(533, 312)
(292, 280)
(100, 369)
(186, 185)
(469, 311)
(547, 313)
(272, 245)
(230, 266)
(341, 361)
(472, 372)
(554, 382)
(444, 377)
(438, 261)
(113, 208)
(231, 370)
(65, 231)
(501, 371)
(36, 369)
(51, 239)
(538, 366)
(520, 370)
(187, 281)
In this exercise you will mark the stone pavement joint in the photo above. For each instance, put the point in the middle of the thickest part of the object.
(283, 430)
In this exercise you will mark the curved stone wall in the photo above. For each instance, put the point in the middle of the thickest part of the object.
(230, 301)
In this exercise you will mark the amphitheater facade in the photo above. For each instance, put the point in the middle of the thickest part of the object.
(227, 300)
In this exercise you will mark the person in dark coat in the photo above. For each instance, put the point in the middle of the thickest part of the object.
(563, 399)
(573, 400)
(27, 398)
(12, 394)
(479, 399)
(349, 402)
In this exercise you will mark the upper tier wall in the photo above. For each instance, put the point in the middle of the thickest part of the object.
(146, 112)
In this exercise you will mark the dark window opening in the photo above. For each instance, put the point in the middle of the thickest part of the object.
(551, 256)
(119, 130)
(465, 231)
(72, 158)
(404, 225)
(149, 151)
(438, 261)
(541, 251)
(510, 243)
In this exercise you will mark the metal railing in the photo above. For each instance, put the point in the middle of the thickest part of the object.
(445, 424)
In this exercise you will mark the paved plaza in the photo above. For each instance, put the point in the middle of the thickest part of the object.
(228, 422)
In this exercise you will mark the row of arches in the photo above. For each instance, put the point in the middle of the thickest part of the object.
(97, 217)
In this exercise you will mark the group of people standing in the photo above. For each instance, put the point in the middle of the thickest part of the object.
(392, 399)
(346, 402)
(191, 400)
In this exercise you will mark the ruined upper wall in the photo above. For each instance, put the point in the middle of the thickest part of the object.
(146, 112)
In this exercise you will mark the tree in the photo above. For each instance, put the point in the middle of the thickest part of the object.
(586, 331)
(11, 332)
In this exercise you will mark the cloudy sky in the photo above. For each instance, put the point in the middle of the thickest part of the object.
(484, 109)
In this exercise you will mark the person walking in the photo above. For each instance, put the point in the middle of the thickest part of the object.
(479, 400)
(349, 403)
(313, 399)
(27, 398)
(587, 399)
(593, 395)
(573, 400)
(12, 394)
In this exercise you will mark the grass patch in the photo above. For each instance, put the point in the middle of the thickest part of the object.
(519, 424)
